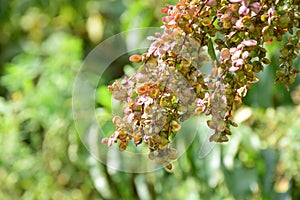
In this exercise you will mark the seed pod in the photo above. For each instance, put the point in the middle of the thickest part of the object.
(169, 166)
(123, 145)
(164, 101)
(142, 89)
(151, 155)
(206, 21)
(118, 121)
(135, 58)
(172, 153)
(175, 126)
(266, 61)
(284, 21)
(153, 92)
(225, 54)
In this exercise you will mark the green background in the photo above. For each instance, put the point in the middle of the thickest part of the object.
(42, 45)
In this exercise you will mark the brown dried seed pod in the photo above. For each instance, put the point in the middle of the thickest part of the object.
(143, 89)
(135, 58)
(169, 166)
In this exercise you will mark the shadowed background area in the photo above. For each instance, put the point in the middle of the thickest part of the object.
(42, 45)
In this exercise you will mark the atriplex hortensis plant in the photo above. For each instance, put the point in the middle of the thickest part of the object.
(171, 85)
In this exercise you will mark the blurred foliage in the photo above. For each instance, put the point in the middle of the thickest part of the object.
(40, 153)
(42, 44)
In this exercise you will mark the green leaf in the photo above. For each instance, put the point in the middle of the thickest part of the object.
(104, 97)
(211, 50)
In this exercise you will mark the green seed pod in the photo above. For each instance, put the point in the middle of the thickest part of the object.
(266, 61)
(206, 21)
(248, 67)
(284, 21)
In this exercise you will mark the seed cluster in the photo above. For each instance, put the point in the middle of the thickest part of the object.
(170, 85)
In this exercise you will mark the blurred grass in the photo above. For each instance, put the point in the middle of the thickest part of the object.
(42, 44)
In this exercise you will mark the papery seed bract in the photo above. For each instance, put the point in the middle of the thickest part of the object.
(172, 153)
(135, 58)
(169, 166)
